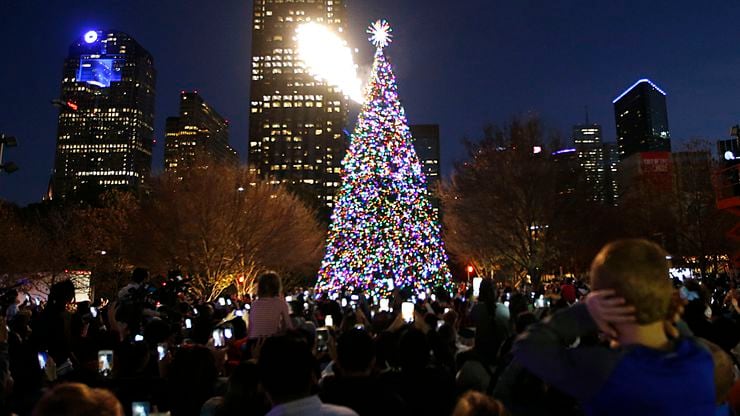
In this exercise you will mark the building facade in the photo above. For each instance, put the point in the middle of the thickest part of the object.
(642, 120)
(426, 143)
(611, 173)
(197, 137)
(296, 122)
(106, 120)
(590, 151)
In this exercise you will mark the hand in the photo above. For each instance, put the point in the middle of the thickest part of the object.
(674, 314)
(607, 310)
(397, 323)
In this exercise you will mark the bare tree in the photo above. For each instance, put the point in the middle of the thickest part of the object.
(221, 227)
(511, 206)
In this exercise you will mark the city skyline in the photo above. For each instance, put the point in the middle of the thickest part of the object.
(461, 64)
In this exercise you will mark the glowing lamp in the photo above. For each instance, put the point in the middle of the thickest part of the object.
(470, 269)
(91, 36)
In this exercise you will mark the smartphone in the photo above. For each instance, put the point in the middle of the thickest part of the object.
(228, 333)
(248, 307)
(188, 323)
(161, 351)
(328, 320)
(354, 298)
(228, 302)
(105, 362)
(322, 339)
(94, 311)
(385, 305)
(222, 301)
(476, 286)
(506, 303)
(43, 356)
(359, 326)
(344, 303)
(138, 338)
(446, 310)
(289, 299)
(540, 303)
(140, 408)
(440, 323)
(218, 338)
(407, 311)
(37, 300)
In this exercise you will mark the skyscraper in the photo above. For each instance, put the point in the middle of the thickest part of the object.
(426, 143)
(590, 151)
(296, 122)
(642, 120)
(611, 173)
(106, 118)
(197, 137)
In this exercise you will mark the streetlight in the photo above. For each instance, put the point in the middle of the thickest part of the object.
(470, 270)
(7, 141)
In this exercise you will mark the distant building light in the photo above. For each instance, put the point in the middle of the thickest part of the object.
(537, 149)
(559, 152)
(72, 105)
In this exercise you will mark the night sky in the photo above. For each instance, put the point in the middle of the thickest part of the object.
(460, 64)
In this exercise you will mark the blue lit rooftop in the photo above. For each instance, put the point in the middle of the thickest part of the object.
(652, 84)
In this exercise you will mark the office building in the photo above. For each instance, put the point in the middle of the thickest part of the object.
(296, 122)
(590, 153)
(642, 120)
(611, 173)
(426, 143)
(106, 119)
(197, 138)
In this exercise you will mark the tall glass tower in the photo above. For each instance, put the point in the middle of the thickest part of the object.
(590, 151)
(106, 119)
(296, 122)
(642, 120)
(198, 137)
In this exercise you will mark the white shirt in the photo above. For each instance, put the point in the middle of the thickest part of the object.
(310, 406)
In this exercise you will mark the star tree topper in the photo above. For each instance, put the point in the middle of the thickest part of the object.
(380, 33)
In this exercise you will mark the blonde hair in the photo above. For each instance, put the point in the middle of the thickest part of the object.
(474, 403)
(75, 399)
(637, 270)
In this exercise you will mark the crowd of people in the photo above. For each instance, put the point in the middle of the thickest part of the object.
(627, 341)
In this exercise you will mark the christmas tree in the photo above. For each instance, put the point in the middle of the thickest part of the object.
(383, 234)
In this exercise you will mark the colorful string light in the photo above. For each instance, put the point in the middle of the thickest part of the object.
(383, 234)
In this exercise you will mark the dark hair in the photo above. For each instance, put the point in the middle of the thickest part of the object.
(268, 285)
(355, 350)
(415, 350)
(191, 377)
(74, 399)
(139, 275)
(61, 293)
(287, 368)
(523, 320)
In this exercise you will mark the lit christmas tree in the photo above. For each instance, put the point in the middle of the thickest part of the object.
(383, 234)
